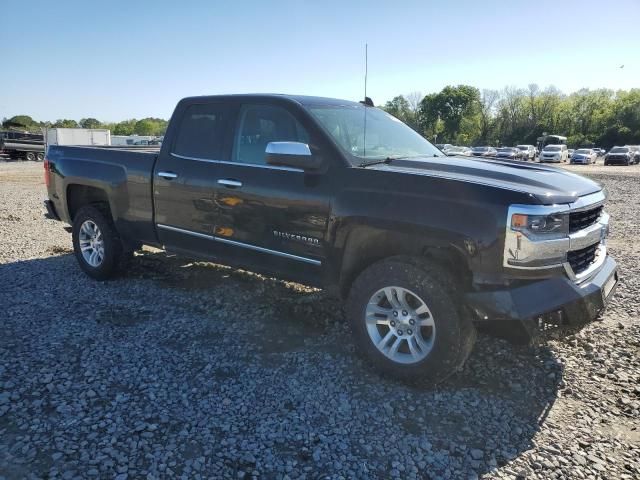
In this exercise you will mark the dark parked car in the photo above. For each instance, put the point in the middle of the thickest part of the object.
(484, 152)
(620, 156)
(420, 245)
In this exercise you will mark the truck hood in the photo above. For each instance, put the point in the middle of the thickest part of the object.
(549, 185)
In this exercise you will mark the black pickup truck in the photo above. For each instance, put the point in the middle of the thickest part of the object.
(343, 196)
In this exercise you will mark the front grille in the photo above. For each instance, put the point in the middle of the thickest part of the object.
(581, 259)
(583, 219)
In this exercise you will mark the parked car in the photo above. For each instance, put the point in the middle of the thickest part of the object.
(420, 246)
(527, 152)
(635, 151)
(459, 151)
(554, 153)
(584, 156)
(443, 147)
(620, 156)
(599, 151)
(484, 152)
(508, 152)
(570, 152)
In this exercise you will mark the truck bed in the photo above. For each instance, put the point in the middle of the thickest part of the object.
(124, 174)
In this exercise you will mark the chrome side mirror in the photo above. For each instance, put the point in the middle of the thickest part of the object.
(291, 154)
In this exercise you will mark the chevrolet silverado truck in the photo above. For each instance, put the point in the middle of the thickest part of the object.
(340, 195)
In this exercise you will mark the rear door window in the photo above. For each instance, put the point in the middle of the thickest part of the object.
(202, 131)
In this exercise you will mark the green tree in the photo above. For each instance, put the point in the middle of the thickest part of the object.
(65, 123)
(20, 121)
(150, 126)
(454, 110)
(90, 123)
(126, 127)
(400, 108)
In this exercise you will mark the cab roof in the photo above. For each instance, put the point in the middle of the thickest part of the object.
(301, 99)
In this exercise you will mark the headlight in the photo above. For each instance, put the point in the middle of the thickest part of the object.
(536, 236)
(532, 225)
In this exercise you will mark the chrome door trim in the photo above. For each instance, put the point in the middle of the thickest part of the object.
(239, 164)
(241, 244)
(229, 183)
(268, 250)
(182, 230)
(168, 175)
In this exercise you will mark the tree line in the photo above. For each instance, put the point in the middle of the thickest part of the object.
(145, 126)
(465, 115)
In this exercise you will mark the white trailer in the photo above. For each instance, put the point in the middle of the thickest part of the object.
(77, 136)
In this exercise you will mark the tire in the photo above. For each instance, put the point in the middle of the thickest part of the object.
(40, 156)
(450, 333)
(30, 156)
(106, 265)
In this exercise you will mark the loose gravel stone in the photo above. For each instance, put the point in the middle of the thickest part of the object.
(183, 369)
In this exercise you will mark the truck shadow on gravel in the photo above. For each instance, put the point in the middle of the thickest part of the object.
(265, 353)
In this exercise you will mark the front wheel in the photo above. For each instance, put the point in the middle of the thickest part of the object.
(96, 243)
(30, 156)
(406, 320)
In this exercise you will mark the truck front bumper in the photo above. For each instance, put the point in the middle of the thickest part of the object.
(555, 300)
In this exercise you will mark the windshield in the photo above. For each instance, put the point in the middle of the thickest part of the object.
(619, 150)
(386, 136)
(551, 149)
(480, 149)
(523, 147)
(583, 150)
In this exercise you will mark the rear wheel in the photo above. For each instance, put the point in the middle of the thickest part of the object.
(40, 156)
(30, 156)
(96, 244)
(406, 321)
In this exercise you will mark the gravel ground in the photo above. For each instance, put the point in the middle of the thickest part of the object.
(193, 370)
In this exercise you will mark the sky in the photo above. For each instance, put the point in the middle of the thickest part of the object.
(117, 60)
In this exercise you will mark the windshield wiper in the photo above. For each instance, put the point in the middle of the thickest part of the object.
(382, 160)
(391, 159)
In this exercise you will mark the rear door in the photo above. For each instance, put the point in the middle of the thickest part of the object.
(186, 175)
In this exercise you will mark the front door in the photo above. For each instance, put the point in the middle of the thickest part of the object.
(277, 216)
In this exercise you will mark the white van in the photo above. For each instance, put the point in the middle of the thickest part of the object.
(554, 153)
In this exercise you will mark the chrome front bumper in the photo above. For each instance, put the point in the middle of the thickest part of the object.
(537, 252)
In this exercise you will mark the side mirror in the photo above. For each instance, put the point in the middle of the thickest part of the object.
(291, 154)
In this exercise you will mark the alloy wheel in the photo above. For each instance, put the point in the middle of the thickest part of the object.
(400, 325)
(91, 243)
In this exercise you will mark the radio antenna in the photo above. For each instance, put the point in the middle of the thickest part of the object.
(366, 68)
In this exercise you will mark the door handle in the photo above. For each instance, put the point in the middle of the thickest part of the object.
(229, 183)
(168, 175)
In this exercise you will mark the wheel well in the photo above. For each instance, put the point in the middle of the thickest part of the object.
(80, 195)
(367, 246)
